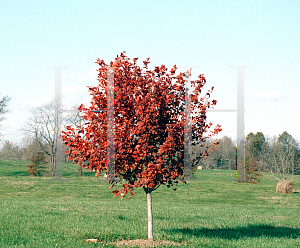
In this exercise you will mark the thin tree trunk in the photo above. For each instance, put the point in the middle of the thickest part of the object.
(150, 223)
(52, 165)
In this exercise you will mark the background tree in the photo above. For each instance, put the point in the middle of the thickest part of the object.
(254, 143)
(23, 151)
(288, 152)
(40, 132)
(297, 163)
(10, 150)
(215, 160)
(3, 107)
(261, 154)
(200, 149)
(282, 155)
(255, 146)
(222, 154)
(228, 152)
(42, 126)
(226, 158)
(30, 146)
(149, 148)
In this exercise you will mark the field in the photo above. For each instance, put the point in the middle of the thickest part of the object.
(212, 211)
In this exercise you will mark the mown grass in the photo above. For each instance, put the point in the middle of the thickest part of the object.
(210, 212)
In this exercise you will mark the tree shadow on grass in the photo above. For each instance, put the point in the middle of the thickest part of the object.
(239, 232)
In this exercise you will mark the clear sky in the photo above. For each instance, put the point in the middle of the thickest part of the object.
(208, 36)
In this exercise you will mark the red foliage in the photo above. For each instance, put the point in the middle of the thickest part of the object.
(149, 137)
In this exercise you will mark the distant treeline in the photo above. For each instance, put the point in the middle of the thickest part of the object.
(277, 154)
(28, 147)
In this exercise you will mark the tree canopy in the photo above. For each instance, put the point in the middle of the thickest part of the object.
(148, 131)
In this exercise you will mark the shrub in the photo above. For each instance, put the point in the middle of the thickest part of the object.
(38, 164)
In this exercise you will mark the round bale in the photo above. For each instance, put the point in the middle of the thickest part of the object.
(285, 187)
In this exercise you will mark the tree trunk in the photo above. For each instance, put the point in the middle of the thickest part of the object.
(150, 223)
(53, 165)
(80, 171)
(52, 169)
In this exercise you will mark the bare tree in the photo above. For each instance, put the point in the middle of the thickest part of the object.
(43, 127)
(3, 107)
(213, 161)
(207, 162)
(10, 150)
(30, 146)
(289, 146)
(228, 153)
(222, 154)
(297, 160)
(282, 156)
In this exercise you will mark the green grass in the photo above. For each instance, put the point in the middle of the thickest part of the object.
(211, 212)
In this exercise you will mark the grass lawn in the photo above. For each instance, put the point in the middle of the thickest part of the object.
(211, 212)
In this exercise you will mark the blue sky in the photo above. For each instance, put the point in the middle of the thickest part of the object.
(208, 36)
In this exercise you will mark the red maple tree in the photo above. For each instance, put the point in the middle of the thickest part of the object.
(148, 133)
